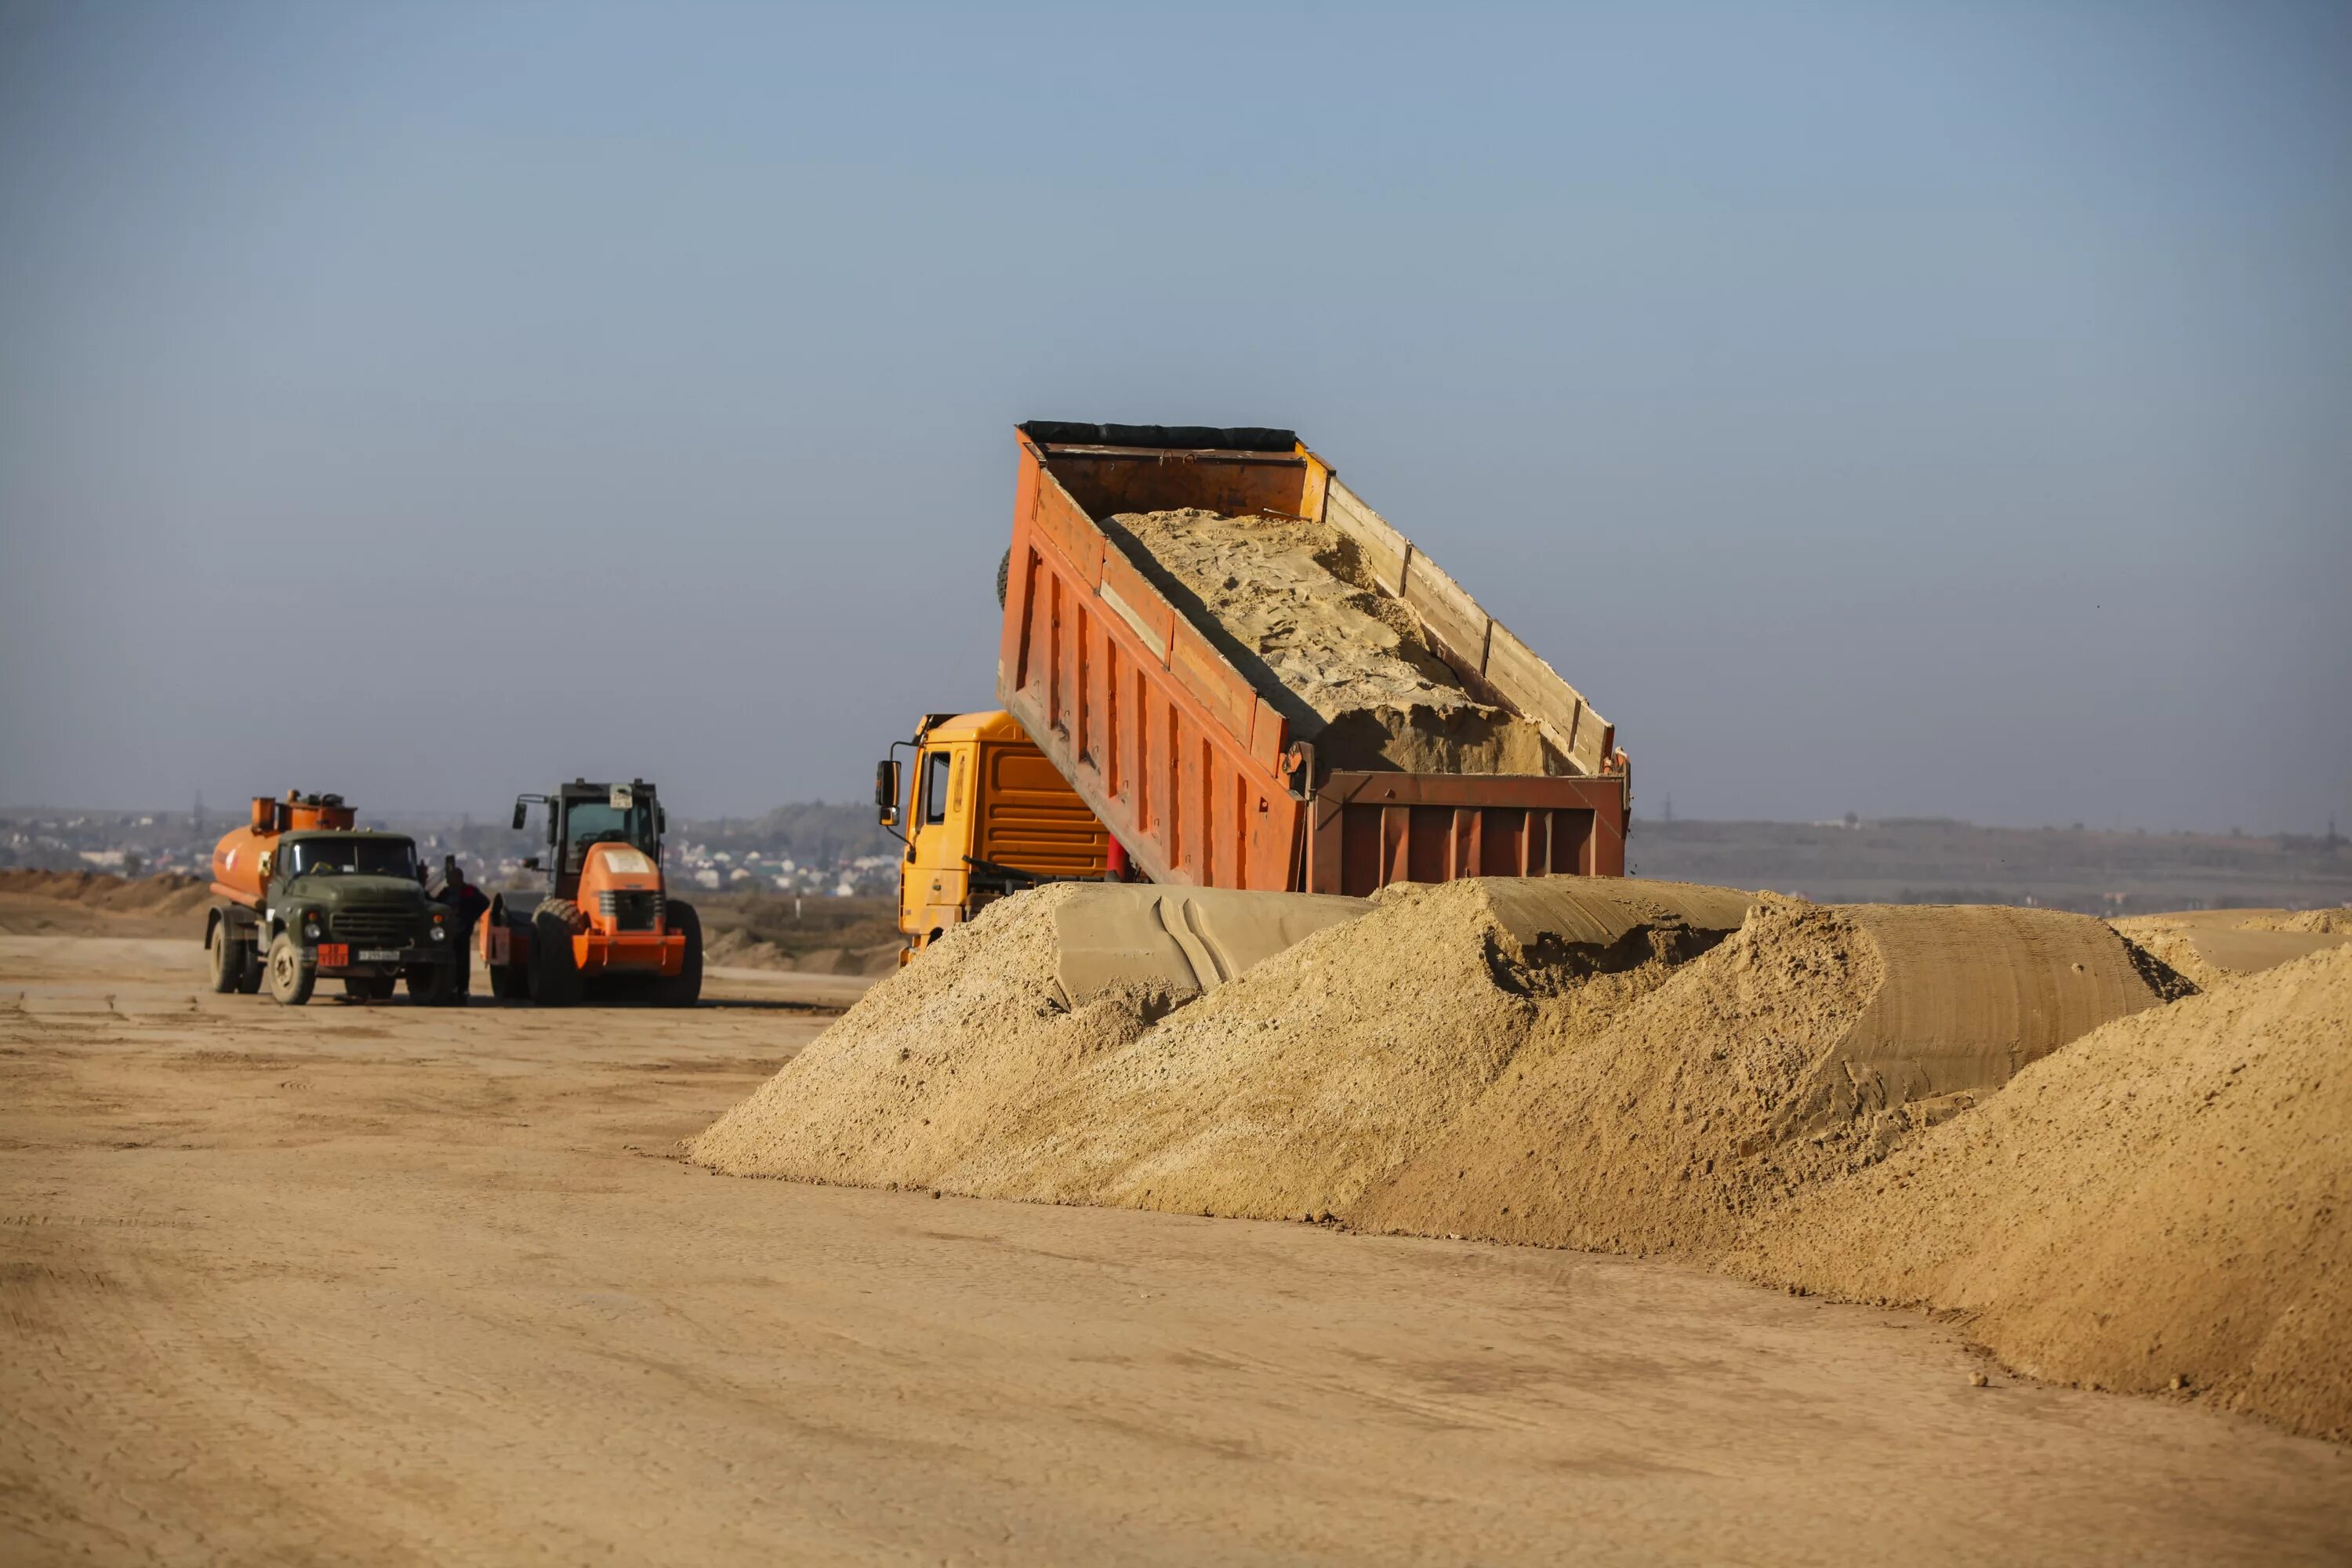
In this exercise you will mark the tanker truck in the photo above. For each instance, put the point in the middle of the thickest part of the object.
(1163, 718)
(301, 894)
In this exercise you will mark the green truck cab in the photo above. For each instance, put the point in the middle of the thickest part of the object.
(337, 903)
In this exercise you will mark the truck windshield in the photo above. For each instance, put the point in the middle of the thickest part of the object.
(352, 858)
(597, 822)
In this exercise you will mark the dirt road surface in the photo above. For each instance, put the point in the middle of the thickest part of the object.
(380, 1285)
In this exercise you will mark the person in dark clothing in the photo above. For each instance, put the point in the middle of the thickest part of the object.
(468, 903)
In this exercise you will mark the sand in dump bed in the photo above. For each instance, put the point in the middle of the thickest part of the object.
(1806, 1047)
(2168, 1198)
(1290, 602)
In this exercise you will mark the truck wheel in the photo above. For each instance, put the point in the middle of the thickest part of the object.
(248, 953)
(508, 982)
(429, 985)
(368, 987)
(290, 980)
(554, 972)
(227, 960)
(684, 989)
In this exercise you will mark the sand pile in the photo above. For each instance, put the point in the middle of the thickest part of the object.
(1291, 1089)
(738, 949)
(1805, 1048)
(1290, 602)
(87, 903)
(932, 1062)
(170, 894)
(2336, 922)
(2215, 947)
(1282, 1092)
(2168, 1198)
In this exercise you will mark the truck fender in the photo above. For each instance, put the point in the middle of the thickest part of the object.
(222, 919)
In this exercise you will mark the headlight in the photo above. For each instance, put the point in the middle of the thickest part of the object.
(311, 925)
(440, 932)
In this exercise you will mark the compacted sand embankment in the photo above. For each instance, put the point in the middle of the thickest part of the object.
(2016, 1114)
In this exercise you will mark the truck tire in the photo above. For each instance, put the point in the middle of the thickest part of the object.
(554, 972)
(290, 980)
(509, 982)
(256, 971)
(429, 985)
(684, 989)
(1003, 576)
(225, 960)
(368, 987)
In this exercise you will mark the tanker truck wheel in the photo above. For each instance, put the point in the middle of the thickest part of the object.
(684, 989)
(554, 972)
(430, 985)
(368, 987)
(226, 962)
(249, 954)
(289, 979)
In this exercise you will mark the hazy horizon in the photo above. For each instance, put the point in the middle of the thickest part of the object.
(1914, 410)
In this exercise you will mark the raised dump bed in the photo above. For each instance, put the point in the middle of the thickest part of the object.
(1255, 681)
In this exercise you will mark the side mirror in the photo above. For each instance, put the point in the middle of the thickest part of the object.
(522, 815)
(885, 792)
(661, 819)
(531, 863)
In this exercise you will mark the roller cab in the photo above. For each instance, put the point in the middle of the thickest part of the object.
(606, 925)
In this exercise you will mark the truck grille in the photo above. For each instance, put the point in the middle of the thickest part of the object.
(389, 927)
(632, 911)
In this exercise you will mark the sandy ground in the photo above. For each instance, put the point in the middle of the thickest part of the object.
(383, 1285)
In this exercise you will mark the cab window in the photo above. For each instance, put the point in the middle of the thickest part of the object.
(352, 858)
(588, 822)
(935, 786)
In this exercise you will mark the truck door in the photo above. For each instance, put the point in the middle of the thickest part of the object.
(940, 820)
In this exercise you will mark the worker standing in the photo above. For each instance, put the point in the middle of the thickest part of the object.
(467, 904)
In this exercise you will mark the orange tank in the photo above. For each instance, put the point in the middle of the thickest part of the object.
(237, 858)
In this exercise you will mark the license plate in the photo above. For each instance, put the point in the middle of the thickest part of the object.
(378, 955)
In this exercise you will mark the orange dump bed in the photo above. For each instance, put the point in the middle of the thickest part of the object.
(1190, 764)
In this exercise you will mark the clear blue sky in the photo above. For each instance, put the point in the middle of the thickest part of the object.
(1910, 410)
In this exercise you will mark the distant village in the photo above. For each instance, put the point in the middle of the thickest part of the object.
(804, 850)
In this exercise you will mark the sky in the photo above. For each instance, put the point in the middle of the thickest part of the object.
(1914, 410)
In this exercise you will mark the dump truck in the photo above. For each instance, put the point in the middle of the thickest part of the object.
(1199, 762)
(989, 815)
(605, 925)
(301, 894)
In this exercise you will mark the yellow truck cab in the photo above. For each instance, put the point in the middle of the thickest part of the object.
(988, 816)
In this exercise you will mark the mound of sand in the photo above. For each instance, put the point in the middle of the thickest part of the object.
(2215, 947)
(738, 949)
(1282, 1091)
(1290, 602)
(2168, 1197)
(1806, 1047)
(90, 904)
(933, 1061)
(1289, 1091)
(2336, 922)
(170, 894)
